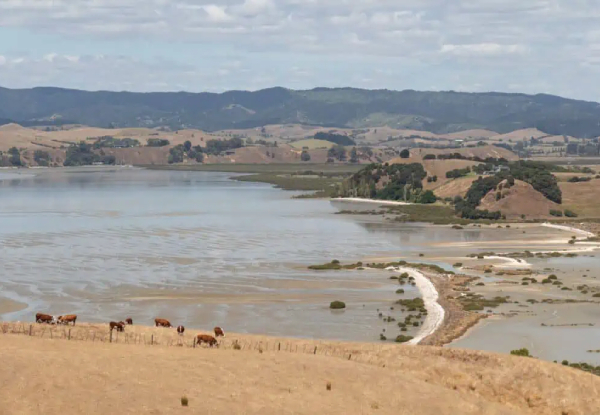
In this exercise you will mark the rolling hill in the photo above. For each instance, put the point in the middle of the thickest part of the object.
(438, 112)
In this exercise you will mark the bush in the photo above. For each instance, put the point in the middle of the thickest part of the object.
(429, 157)
(427, 197)
(400, 291)
(337, 305)
(403, 339)
(520, 352)
(557, 213)
(305, 156)
(570, 213)
(157, 142)
(405, 154)
(184, 401)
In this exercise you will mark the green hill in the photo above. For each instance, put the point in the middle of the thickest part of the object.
(439, 112)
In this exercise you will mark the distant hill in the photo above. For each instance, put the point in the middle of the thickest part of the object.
(438, 112)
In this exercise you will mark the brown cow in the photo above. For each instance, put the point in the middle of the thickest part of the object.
(180, 330)
(45, 318)
(129, 321)
(205, 338)
(219, 332)
(120, 326)
(161, 322)
(71, 318)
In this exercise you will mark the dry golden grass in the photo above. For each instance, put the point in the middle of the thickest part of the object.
(521, 199)
(40, 375)
(582, 197)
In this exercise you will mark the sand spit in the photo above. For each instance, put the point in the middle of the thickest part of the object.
(435, 312)
(570, 229)
(379, 202)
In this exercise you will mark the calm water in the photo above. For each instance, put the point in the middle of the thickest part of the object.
(203, 250)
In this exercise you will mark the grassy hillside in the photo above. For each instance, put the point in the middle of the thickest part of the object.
(440, 112)
(275, 376)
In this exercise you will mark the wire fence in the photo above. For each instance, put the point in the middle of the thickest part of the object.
(168, 338)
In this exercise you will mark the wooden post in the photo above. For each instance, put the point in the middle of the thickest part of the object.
(110, 338)
(349, 356)
(30, 328)
(279, 347)
(69, 334)
(152, 340)
(315, 352)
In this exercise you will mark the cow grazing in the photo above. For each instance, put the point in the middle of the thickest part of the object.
(219, 332)
(129, 321)
(161, 322)
(180, 330)
(71, 318)
(206, 338)
(120, 326)
(45, 318)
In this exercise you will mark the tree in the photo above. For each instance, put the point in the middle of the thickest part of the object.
(354, 156)
(305, 156)
(427, 197)
(337, 152)
(404, 154)
(15, 156)
(187, 146)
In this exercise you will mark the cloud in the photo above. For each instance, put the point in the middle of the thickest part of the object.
(485, 50)
(496, 39)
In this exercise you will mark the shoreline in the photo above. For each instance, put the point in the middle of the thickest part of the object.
(569, 229)
(375, 201)
(435, 311)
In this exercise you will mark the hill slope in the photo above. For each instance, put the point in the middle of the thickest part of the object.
(439, 112)
(47, 376)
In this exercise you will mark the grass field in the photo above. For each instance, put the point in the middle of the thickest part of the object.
(319, 178)
(311, 144)
(275, 376)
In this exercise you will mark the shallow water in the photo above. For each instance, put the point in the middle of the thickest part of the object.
(203, 250)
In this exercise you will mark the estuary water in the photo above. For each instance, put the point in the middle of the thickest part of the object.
(201, 250)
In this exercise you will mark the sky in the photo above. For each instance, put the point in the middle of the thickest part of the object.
(529, 46)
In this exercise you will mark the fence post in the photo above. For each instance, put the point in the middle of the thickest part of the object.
(110, 338)
(30, 328)
(315, 352)
(279, 347)
(152, 340)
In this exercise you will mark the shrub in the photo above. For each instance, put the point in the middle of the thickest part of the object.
(480, 284)
(337, 305)
(328, 386)
(236, 346)
(405, 154)
(565, 363)
(382, 337)
(570, 213)
(184, 401)
(429, 157)
(552, 277)
(400, 291)
(403, 339)
(157, 142)
(458, 265)
(520, 352)
(557, 213)
(427, 197)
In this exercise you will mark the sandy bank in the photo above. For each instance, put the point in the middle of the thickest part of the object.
(570, 229)
(379, 202)
(435, 312)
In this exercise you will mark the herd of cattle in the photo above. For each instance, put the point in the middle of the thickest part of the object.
(120, 326)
